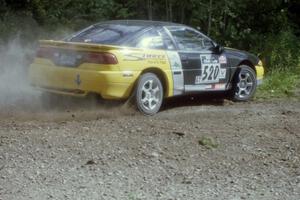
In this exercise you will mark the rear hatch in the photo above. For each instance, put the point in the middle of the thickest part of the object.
(70, 54)
(66, 66)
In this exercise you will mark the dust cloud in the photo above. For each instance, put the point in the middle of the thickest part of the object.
(15, 89)
(19, 98)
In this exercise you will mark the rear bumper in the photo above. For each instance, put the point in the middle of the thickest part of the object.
(81, 82)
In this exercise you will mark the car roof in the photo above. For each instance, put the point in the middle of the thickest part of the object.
(145, 23)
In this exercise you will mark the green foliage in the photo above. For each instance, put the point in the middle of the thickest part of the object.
(285, 51)
(279, 84)
(282, 63)
(264, 27)
(208, 143)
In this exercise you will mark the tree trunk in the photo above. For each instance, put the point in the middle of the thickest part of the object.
(182, 13)
(225, 18)
(170, 11)
(150, 10)
(209, 17)
(167, 10)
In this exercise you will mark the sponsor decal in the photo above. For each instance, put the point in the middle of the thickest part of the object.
(177, 65)
(174, 61)
(154, 56)
(211, 71)
(198, 87)
(133, 57)
(222, 59)
(176, 68)
(220, 86)
(222, 74)
(208, 59)
(139, 57)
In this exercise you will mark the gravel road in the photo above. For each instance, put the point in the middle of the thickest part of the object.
(193, 149)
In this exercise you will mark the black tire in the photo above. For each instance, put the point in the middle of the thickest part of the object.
(244, 84)
(149, 94)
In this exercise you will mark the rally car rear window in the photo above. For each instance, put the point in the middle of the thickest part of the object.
(106, 33)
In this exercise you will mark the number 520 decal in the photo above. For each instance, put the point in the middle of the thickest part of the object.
(211, 70)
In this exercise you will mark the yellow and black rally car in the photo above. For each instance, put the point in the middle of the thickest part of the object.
(146, 60)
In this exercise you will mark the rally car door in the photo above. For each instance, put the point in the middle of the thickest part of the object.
(203, 68)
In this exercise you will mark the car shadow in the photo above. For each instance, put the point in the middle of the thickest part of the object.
(61, 102)
(57, 102)
(210, 99)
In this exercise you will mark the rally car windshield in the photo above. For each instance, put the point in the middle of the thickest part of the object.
(106, 34)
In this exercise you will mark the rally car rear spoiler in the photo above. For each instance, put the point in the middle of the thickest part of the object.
(77, 45)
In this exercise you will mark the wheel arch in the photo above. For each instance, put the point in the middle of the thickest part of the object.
(248, 63)
(161, 75)
(238, 67)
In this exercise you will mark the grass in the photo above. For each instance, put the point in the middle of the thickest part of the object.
(208, 142)
(279, 84)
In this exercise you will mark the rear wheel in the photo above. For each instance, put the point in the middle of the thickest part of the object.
(244, 84)
(149, 94)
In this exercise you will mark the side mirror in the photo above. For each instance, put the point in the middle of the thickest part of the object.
(219, 48)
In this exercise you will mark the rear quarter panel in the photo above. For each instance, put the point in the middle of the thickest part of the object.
(111, 81)
(133, 62)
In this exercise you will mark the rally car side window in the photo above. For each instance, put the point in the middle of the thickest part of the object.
(150, 39)
(169, 45)
(189, 40)
(154, 39)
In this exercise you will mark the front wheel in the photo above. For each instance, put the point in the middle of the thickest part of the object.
(244, 84)
(149, 94)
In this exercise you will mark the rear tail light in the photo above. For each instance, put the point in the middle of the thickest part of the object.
(44, 52)
(82, 57)
(100, 58)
